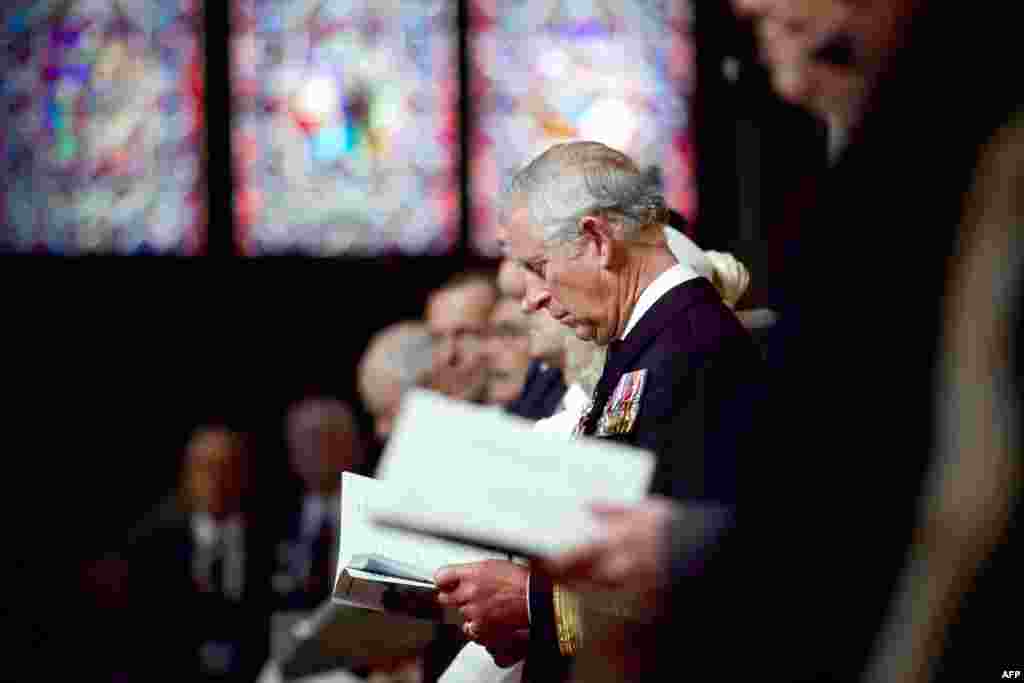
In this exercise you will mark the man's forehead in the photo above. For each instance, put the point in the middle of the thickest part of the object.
(459, 307)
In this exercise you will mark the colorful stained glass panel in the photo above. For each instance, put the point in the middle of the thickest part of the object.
(549, 71)
(101, 127)
(345, 126)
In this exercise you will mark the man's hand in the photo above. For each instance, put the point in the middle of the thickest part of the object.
(627, 557)
(492, 597)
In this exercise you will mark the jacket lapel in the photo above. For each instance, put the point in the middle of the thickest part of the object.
(621, 354)
(666, 311)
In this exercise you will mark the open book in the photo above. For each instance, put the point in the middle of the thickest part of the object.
(471, 474)
(390, 570)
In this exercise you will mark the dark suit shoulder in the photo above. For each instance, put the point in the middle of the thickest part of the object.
(703, 335)
(701, 376)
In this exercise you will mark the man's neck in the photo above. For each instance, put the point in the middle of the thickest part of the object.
(650, 262)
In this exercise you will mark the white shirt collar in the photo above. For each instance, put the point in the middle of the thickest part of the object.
(676, 275)
(575, 398)
(563, 423)
(207, 531)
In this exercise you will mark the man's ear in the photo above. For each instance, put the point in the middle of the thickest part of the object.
(599, 237)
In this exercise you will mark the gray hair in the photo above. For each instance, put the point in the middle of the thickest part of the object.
(576, 179)
(402, 351)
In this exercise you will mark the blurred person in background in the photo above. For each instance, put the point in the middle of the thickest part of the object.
(544, 387)
(510, 279)
(834, 606)
(199, 573)
(398, 358)
(583, 362)
(323, 441)
(457, 316)
(939, 573)
(507, 352)
(727, 273)
(732, 280)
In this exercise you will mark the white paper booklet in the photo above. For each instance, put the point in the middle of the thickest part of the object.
(385, 569)
(472, 474)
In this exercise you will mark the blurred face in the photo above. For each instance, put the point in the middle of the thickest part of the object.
(579, 355)
(383, 399)
(510, 279)
(457, 319)
(547, 339)
(319, 454)
(572, 281)
(507, 351)
(795, 37)
(214, 474)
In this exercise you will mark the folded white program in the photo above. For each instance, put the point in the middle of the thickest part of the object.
(472, 474)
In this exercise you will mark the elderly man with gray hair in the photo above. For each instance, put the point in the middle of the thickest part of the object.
(398, 358)
(587, 226)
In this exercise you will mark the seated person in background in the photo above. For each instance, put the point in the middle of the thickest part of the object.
(506, 351)
(457, 315)
(583, 363)
(323, 441)
(199, 573)
(398, 358)
(535, 345)
(544, 387)
(731, 278)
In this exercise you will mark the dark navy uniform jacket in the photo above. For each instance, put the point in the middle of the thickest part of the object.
(703, 378)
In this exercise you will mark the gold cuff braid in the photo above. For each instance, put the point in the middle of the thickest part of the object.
(568, 620)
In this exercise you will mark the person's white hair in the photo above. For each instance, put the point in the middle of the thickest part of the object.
(403, 352)
(730, 277)
(576, 179)
(590, 373)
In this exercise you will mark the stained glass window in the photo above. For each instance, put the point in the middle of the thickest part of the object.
(101, 127)
(547, 71)
(345, 134)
